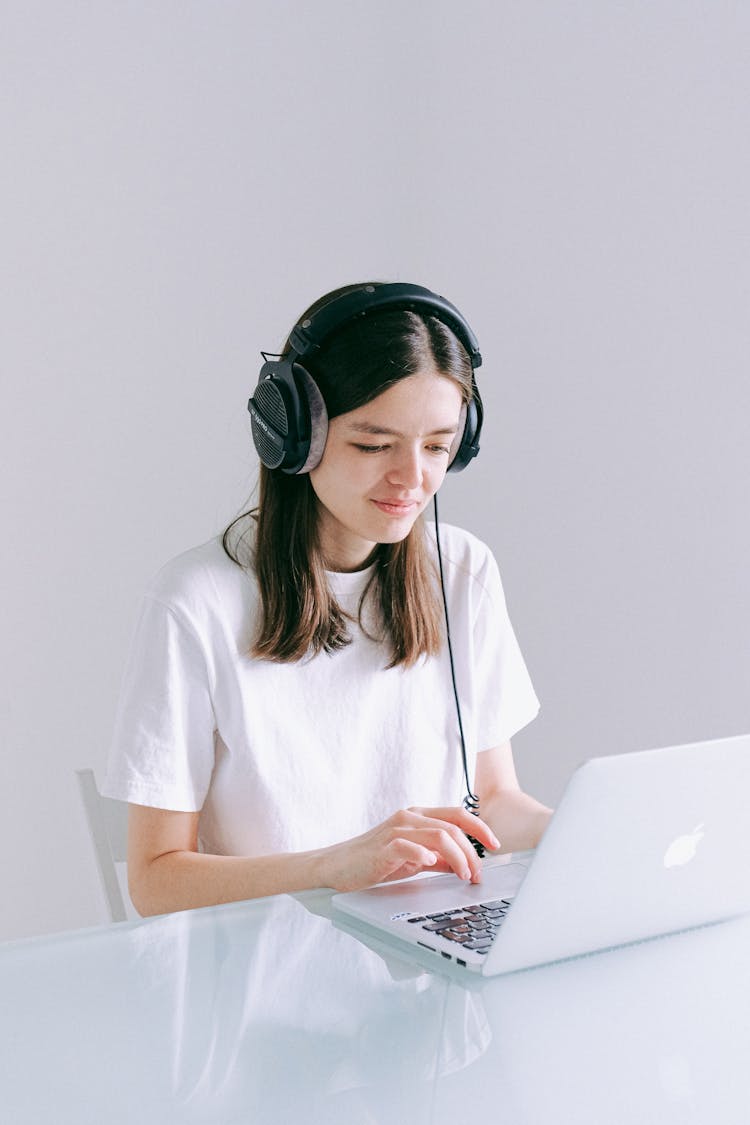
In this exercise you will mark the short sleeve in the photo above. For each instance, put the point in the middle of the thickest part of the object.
(162, 751)
(506, 700)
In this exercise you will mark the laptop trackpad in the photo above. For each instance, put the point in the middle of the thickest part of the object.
(436, 892)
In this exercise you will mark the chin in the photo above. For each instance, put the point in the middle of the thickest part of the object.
(395, 533)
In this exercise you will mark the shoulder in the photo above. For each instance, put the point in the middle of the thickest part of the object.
(463, 553)
(196, 579)
(470, 572)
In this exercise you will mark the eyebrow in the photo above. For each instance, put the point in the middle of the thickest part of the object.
(368, 428)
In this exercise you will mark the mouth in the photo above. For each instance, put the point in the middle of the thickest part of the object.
(396, 507)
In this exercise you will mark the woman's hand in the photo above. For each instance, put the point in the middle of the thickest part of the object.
(410, 841)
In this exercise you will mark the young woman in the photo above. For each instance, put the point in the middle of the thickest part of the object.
(288, 717)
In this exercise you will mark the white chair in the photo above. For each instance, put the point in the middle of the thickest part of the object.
(108, 825)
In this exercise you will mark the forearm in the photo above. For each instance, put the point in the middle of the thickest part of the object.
(182, 880)
(518, 820)
(167, 873)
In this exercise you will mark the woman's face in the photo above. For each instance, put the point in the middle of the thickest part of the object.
(382, 464)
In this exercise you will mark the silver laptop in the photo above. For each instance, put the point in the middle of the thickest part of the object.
(641, 845)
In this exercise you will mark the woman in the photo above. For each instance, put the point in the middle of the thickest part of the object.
(288, 719)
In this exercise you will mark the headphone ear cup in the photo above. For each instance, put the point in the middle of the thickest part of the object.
(317, 414)
(468, 444)
(269, 422)
(289, 420)
(280, 421)
(458, 437)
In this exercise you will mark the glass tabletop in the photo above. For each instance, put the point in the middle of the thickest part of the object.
(265, 1011)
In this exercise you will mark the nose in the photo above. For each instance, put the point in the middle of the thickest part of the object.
(406, 469)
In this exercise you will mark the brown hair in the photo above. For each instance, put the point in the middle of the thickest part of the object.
(279, 538)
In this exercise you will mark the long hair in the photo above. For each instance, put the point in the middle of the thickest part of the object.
(279, 538)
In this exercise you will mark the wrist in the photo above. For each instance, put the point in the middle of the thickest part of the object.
(540, 822)
(320, 868)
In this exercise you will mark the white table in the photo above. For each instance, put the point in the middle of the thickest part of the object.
(264, 1012)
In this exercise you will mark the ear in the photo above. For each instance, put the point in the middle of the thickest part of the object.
(318, 419)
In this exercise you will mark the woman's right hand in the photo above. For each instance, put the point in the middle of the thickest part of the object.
(410, 841)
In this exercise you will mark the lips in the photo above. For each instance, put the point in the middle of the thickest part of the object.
(396, 507)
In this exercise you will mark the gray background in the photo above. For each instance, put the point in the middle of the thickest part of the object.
(181, 179)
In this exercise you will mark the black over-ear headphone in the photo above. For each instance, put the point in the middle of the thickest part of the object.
(289, 420)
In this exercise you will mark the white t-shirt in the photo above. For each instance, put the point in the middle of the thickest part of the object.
(290, 757)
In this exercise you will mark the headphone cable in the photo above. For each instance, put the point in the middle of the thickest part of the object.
(471, 800)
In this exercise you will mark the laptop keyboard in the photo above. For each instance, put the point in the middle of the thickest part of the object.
(473, 927)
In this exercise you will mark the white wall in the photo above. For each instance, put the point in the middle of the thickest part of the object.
(183, 178)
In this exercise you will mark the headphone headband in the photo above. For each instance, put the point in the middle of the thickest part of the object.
(307, 336)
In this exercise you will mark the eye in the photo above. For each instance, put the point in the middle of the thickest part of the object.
(439, 448)
(370, 448)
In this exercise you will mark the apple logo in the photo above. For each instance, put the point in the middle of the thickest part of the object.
(683, 849)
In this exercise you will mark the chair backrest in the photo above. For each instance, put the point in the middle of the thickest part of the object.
(108, 825)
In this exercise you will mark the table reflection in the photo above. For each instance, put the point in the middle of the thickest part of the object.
(265, 1011)
(294, 1012)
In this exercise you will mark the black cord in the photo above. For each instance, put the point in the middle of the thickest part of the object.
(470, 801)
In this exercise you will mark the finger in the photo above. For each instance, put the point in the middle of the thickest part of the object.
(403, 852)
(453, 847)
(482, 832)
(470, 862)
(467, 822)
(460, 825)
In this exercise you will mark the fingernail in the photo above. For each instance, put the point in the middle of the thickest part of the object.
(495, 842)
(467, 875)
